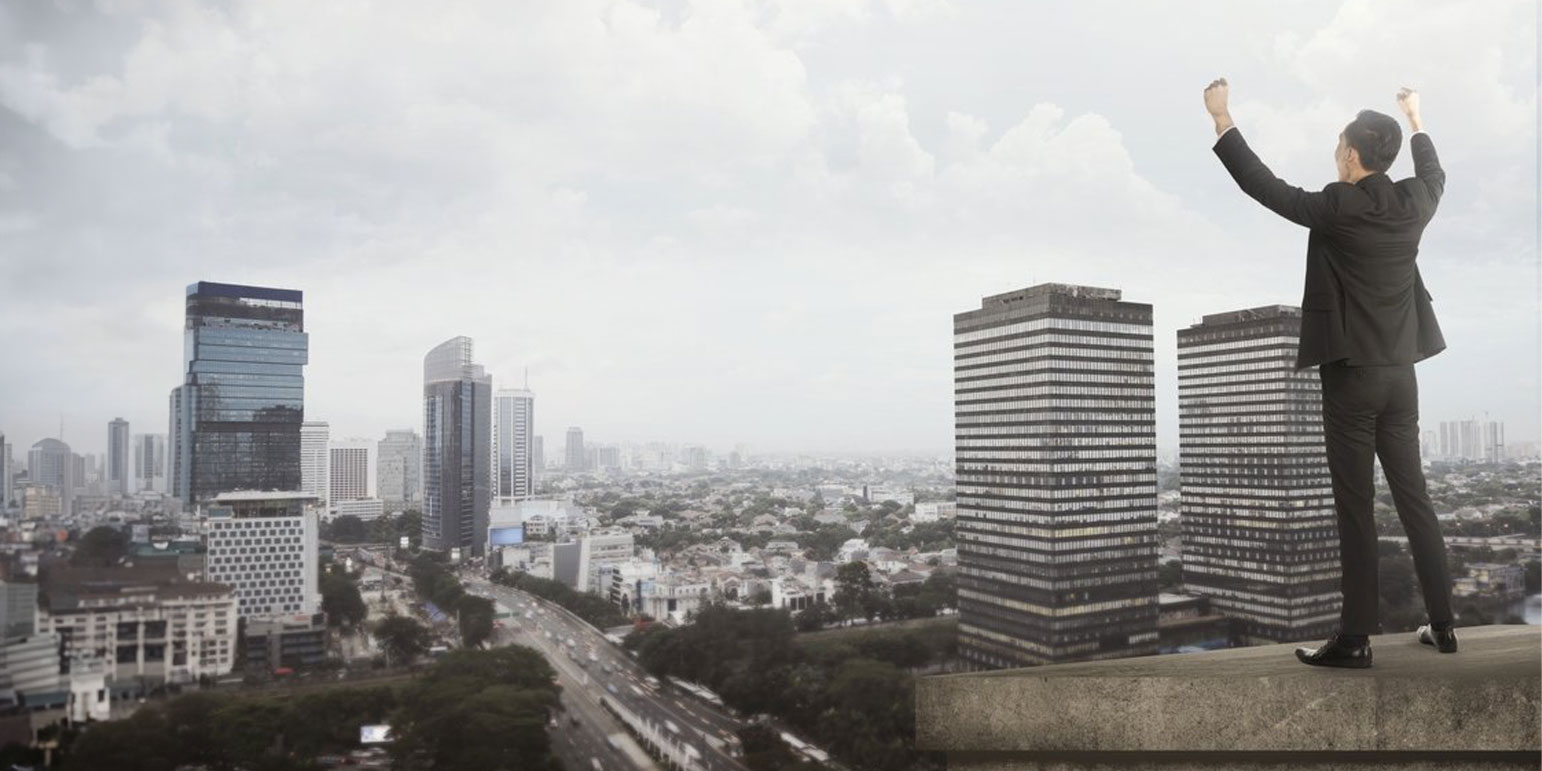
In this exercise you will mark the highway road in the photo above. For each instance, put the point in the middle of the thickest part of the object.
(710, 729)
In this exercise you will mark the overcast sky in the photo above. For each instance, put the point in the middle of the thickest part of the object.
(718, 222)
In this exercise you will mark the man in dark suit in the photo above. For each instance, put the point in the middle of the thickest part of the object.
(1365, 319)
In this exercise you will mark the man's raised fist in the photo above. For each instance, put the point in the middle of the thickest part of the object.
(1215, 97)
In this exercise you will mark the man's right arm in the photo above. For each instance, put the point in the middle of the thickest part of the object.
(1427, 166)
(1426, 163)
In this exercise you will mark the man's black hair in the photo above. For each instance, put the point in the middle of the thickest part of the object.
(1376, 137)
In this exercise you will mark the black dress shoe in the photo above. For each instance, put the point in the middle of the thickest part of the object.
(1337, 653)
(1444, 641)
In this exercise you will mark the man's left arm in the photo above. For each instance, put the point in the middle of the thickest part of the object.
(1313, 210)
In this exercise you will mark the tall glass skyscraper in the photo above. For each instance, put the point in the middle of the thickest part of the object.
(1055, 432)
(513, 475)
(1258, 529)
(118, 457)
(236, 417)
(457, 448)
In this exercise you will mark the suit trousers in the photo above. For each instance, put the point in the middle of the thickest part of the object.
(1370, 412)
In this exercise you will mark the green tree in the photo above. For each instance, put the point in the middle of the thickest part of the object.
(478, 709)
(341, 601)
(870, 714)
(382, 530)
(476, 620)
(853, 590)
(349, 529)
(100, 546)
(403, 639)
(410, 524)
(814, 617)
(940, 589)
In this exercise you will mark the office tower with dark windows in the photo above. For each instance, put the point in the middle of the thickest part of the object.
(399, 458)
(1055, 447)
(149, 463)
(1259, 535)
(577, 458)
(513, 475)
(242, 399)
(457, 449)
(118, 457)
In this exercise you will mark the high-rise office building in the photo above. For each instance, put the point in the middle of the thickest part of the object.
(457, 448)
(398, 467)
(83, 474)
(608, 457)
(1259, 534)
(149, 468)
(537, 455)
(118, 457)
(6, 472)
(243, 397)
(352, 470)
(264, 545)
(514, 419)
(1493, 441)
(51, 463)
(316, 460)
(577, 459)
(178, 477)
(1055, 427)
(1472, 440)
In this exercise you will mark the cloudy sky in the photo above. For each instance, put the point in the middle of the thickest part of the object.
(718, 221)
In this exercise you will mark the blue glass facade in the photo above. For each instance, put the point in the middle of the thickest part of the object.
(236, 418)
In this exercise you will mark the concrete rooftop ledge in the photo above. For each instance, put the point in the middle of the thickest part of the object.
(1251, 707)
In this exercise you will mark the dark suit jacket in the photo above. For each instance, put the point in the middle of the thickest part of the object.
(1363, 298)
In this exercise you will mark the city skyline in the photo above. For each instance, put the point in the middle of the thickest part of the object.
(773, 262)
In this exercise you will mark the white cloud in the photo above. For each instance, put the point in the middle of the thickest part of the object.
(672, 205)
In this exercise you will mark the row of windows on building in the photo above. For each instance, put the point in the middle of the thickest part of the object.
(1133, 407)
(1057, 358)
(975, 484)
(1052, 323)
(1042, 365)
(1099, 348)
